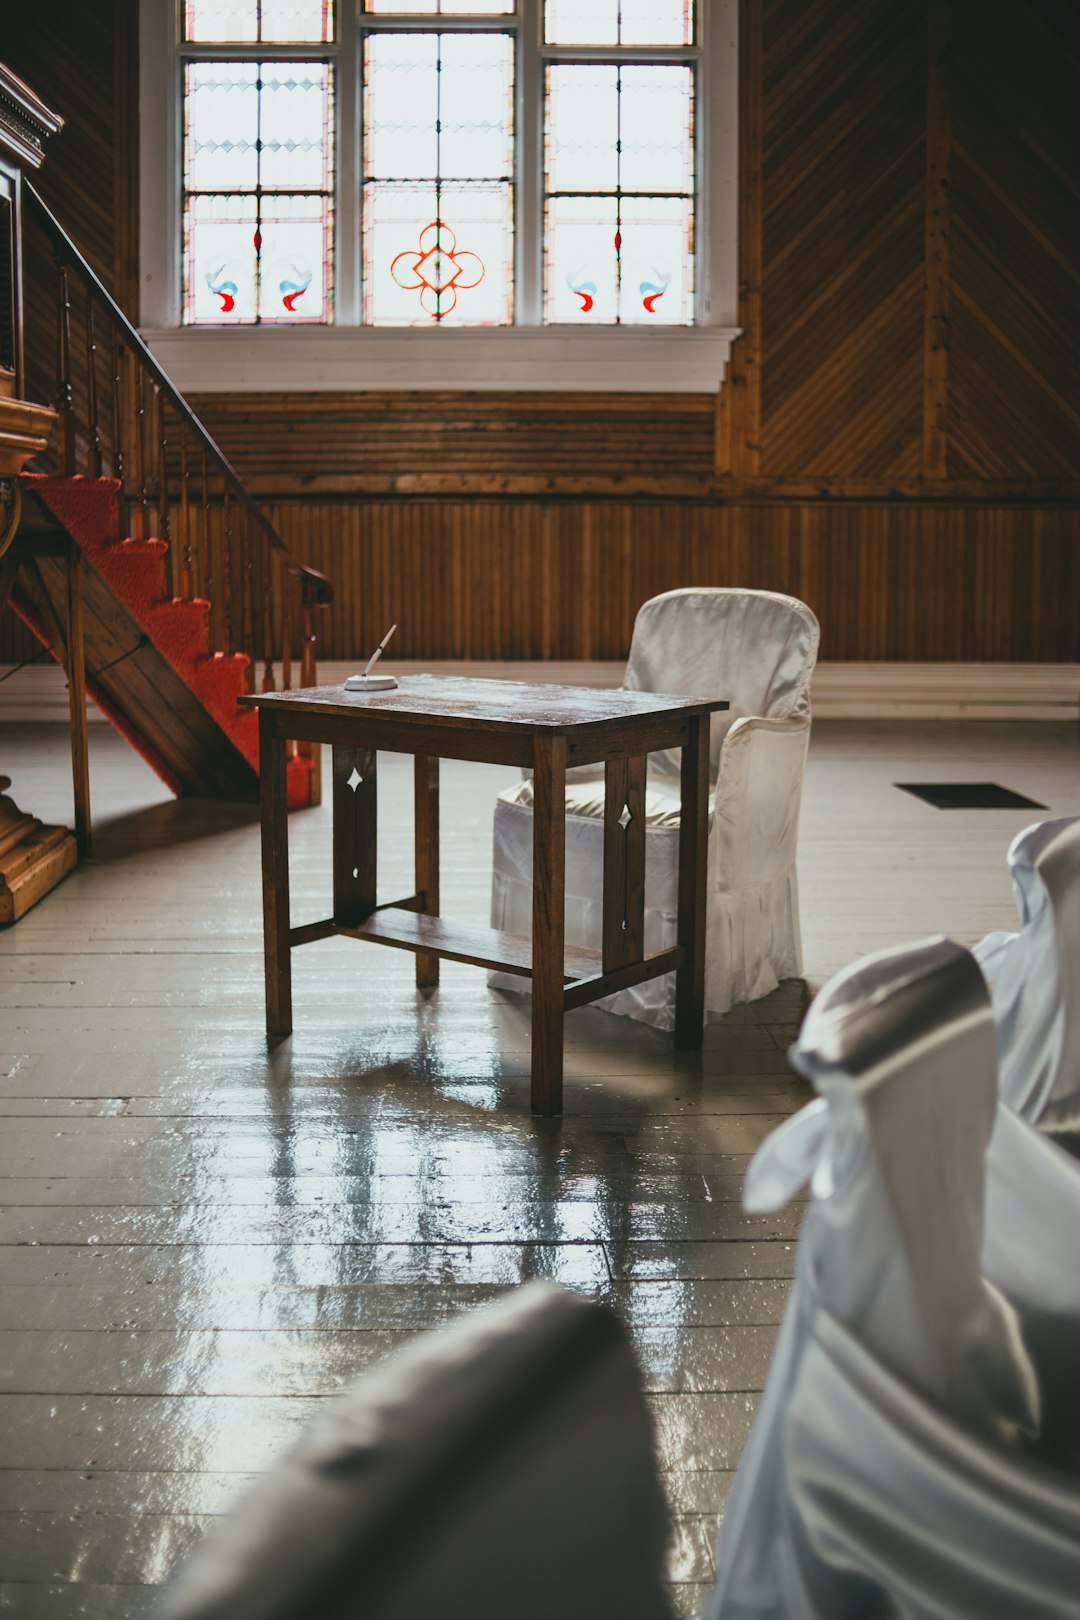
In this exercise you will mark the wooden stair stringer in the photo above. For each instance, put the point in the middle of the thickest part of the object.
(178, 629)
(138, 690)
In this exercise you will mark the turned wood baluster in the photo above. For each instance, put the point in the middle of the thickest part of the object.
(93, 450)
(226, 570)
(206, 569)
(187, 572)
(266, 569)
(164, 533)
(117, 414)
(286, 624)
(249, 607)
(308, 677)
(307, 650)
(65, 403)
(143, 511)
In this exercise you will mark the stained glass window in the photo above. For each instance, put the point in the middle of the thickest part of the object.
(296, 22)
(438, 178)
(619, 192)
(619, 22)
(585, 215)
(258, 212)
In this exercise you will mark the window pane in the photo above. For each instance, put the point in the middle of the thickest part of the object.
(627, 132)
(257, 137)
(437, 8)
(221, 19)
(220, 259)
(619, 22)
(580, 260)
(296, 21)
(477, 112)
(655, 129)
(438, 197)
(251, 258)
(619, 259)
(294, 107)
(400, 106)
(655, 262)
(293, 259)
(423, 120)
(582, 128)
(458, 272)
(221, 117)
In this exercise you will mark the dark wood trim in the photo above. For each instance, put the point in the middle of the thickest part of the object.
(724, 490)
(426, 855)
(693, 865)
(624, 978)
(275, 879)
(548, 922)
(738, 414)
(355, 839)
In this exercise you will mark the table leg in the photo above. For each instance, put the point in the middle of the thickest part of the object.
(426, 853)
(356, 811)
(275, 877)
(693, 859)
(624, 861)
(548, 922)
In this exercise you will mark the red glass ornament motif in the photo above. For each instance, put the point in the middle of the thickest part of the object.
(438, 271)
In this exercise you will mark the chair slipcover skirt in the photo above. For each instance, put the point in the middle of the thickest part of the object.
(756, 649)
(752, 936)
(915, 1452)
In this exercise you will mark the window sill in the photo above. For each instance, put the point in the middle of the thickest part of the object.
(570, 359)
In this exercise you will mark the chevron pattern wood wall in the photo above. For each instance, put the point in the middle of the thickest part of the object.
(1014, 352)
(910, 249)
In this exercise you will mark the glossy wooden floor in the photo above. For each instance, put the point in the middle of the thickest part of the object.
(200, 1241)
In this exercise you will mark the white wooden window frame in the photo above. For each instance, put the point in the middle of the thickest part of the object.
(348, 356)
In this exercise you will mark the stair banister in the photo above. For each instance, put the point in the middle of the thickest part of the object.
(233, 581)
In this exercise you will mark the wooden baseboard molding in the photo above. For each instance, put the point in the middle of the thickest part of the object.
(906, 691)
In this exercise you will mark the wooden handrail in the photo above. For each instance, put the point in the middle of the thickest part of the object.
(316, 589)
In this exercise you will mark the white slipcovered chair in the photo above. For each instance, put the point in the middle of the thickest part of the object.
(915, 1453)
(1034, 977)
(758, 650)
(501, 1466)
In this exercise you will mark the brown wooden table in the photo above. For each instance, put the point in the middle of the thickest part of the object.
(546, 728)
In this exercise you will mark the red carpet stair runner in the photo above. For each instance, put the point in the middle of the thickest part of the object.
(89, 510)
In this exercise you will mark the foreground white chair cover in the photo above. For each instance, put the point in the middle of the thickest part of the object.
(1035, 978)
(758, 650)
(893, 1469)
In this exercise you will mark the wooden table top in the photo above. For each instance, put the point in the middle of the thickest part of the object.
(487, 705)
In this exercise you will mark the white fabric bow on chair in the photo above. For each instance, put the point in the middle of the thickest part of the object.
(1034, 978)
(757, 649)
(895, 1467)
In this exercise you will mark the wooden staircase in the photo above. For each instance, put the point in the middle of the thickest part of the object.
(189, 597)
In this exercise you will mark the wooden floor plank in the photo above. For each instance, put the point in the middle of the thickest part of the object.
(201, 1240)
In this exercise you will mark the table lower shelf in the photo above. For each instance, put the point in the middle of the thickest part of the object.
(410, 930)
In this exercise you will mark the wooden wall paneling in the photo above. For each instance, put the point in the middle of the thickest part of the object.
(379, 443)
(529, 579)
(843, 180)
(1015, 260)
(83, 60)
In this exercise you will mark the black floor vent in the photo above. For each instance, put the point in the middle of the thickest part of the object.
(969, 796)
